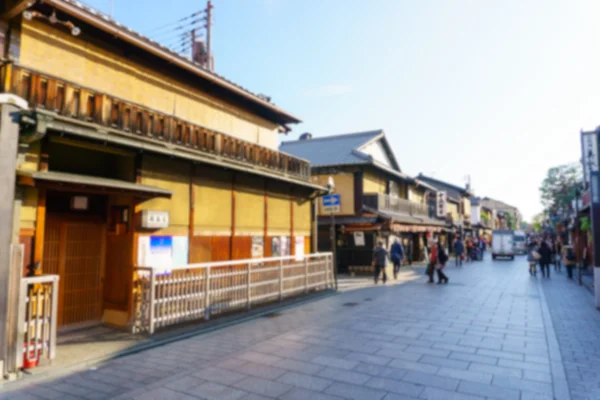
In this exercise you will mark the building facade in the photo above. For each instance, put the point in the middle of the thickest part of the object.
(130, 155)
(377, 200)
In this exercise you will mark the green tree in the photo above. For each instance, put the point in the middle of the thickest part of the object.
(557, 189)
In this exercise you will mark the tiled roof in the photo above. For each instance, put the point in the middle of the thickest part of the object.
(453, 192)
(332, 150)
(107, 19)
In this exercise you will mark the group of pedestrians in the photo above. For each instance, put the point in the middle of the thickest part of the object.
(475, 249)
(546, 252)
(380, 259)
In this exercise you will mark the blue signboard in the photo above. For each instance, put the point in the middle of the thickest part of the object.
(331, 200)
(331, 203)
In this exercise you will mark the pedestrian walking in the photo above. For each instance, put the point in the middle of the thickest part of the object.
(459, 250)
(432, 262)
(409, 251)
(380, 256)
(442, 259)
(532, 258)
(545, 258)
(570, 261)
(469, 250)
(397, 254)
(558, 254)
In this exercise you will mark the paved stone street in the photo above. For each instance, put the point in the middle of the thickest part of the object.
(492, 333)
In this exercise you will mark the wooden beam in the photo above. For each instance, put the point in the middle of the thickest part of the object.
(233, 176)
(266, 232)
(192, 210)
(40, 227)
(292, 238)
(16, 9)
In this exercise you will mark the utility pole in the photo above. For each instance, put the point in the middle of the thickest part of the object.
(193, 47)
(210, 62)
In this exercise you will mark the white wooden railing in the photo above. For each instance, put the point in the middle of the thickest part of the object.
(199, 291)
(38, 309)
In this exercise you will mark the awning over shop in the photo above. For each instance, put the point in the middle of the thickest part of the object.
(66, 181)
(408, 223)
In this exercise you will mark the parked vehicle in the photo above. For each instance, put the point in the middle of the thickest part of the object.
(503, 244)
(520, 243)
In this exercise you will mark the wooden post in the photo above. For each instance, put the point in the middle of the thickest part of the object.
(9, 291)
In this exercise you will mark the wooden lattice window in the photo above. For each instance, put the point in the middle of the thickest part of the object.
(138, 122)
(90, 106)
(59, 100)
(43, 92)
(127, 119)
(151, 126)
(114, 114)
(76, 103)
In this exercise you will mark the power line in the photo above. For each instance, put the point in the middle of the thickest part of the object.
(169, 24)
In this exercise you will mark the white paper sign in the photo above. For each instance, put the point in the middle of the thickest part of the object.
(299, 248)
(359, 238)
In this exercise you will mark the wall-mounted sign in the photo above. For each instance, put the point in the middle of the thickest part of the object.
(589, 153)
(153, 219)
(79, 203)
(440, 205)
(331, 203)
(258, 246)
(299, 247)
(162, 252)
(359, 238)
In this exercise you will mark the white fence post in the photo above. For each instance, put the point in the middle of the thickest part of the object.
(207, 293)
(152, 298)
(305, 274)
(54, 317)
(249, 285)
(280, 280)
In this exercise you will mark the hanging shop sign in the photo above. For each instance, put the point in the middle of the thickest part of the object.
(155, 219)
(589, 153)
(441, 205)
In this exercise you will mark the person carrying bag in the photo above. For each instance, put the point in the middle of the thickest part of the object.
(442, 259)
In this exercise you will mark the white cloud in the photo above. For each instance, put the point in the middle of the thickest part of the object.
(328, 90)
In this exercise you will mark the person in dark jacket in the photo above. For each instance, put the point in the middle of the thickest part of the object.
(459, 250)
(380, 261)
(442, 259)
(546, 258)
(397, 255)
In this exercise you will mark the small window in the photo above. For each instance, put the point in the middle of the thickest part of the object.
(25, 86)
(114, 115)
(178, 133)
(138, 122)
(43, 94)
(76, 103)
(151, 127)
(161, 127)
(127, 119)
(90, 107)
(59, 101)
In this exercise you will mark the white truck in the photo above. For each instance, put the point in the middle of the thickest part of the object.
(503, 244)
(520, 243)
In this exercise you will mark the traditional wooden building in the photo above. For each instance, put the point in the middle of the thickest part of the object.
(377, 200)
(131, 154)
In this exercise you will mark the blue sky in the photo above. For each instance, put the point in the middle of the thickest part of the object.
(495, 90)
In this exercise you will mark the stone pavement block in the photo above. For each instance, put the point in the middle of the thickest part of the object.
(490, 391)
(521, 384)
(524, 365)
(414, 366)
(231, 363)
(472, 376)
(381, 371)
(537, 376)
(335, 362)
(219, 375)
(304, 394)
(430, 380)
(440, 394)
(215, 391)
(259, 358)
(444, 362)
(254, 396)
(401, 354)
(473, 358)
(304, 381)
(394, 386)
(260, 371)
(299, 366)
(428, 351)
(184, 383)
(262, 387)
(537, 359)
(455, 348)
(495, 370)
(355, 392)
(368, 358)
(164, 394)
(501, 354)
(539, 396)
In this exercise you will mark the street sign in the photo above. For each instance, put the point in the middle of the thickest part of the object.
(595, 216)
(589, 153)
(331, 203)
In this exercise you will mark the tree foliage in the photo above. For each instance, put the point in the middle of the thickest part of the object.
(557, 189)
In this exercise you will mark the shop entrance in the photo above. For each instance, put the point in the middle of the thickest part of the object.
(75, 250)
